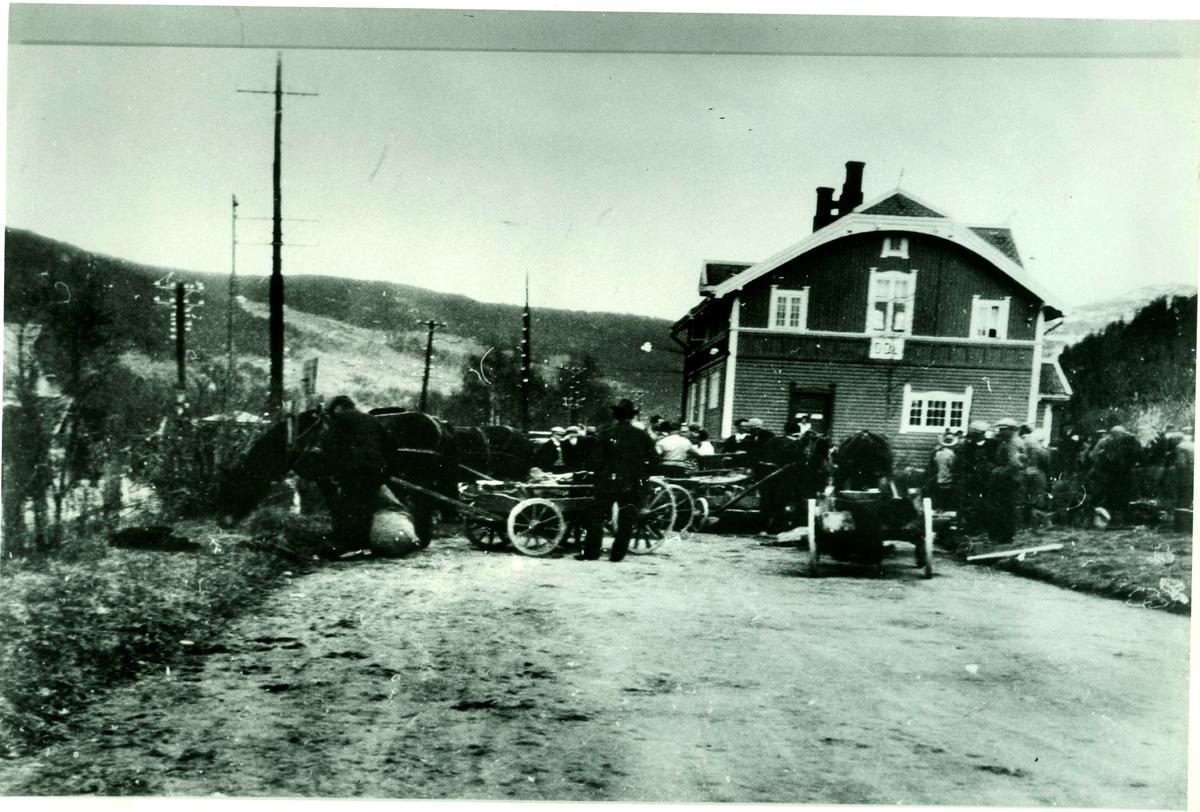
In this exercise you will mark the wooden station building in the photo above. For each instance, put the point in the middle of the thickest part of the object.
(890, 316)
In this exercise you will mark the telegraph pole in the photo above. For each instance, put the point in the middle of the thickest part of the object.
(275, 393)
(432, 325)
(526, 359)
(180, 329)
(570, 377)
(232, 305)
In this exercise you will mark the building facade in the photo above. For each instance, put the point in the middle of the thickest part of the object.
(890, 317)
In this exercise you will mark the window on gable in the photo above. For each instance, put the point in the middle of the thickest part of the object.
(894, 247)
(789, 309)
(989, 317)
(934, 412)
(890, 301)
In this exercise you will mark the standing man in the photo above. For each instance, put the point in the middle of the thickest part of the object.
(972, 477)
(622, 462)
(354, 452)
(942, 466)
(551, 456)
(1004, 482)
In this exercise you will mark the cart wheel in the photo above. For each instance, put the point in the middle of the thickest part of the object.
(536, 526)
(814, 553)
(654, 522)
(685, 509)
(927, 537)
(485, 534)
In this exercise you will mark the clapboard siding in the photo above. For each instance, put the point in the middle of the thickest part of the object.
(871, 395)
(838, 274)
(857, 348)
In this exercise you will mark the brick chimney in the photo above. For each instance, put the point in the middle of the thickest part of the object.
(824, 215)
(852, 189)
(851, 196)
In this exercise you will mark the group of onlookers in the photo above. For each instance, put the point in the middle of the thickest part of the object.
(993, 477)
(998, 478)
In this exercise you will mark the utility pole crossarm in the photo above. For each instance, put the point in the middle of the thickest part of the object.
(275, 291)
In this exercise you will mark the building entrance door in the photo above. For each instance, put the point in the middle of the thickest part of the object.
(817, 405)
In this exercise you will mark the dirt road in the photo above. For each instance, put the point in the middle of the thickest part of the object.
(712, 671)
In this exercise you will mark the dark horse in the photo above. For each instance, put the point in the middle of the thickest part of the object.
(784, 496)
(863, 487)
(423, 450)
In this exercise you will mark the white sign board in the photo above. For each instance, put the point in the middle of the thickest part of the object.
(887, 349)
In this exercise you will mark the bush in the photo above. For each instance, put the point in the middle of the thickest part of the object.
(70, 629)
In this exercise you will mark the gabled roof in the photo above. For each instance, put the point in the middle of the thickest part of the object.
(1053, 383)
(1002, 238)
(714, 273)
(925, 219)
(900, 204)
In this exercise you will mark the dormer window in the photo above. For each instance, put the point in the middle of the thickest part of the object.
(894, 247)
(890, 301)
(789, 309)
(989, 318)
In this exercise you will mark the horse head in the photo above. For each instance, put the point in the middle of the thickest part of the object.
(283, 447)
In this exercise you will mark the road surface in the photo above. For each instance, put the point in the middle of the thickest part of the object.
(711, 671)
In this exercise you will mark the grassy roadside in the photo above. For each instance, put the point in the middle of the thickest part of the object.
(1142, 566)
(94, 617)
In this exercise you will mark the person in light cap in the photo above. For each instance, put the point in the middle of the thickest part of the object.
(551, 456)
(943, 488)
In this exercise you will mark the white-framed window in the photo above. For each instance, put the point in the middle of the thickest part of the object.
(890, 298)
(789, 309)
(693, 390)
(714, 389)
(935, 411)
(894, 247)
(989, 317)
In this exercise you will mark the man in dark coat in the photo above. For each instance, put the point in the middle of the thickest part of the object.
(1004, 483)
(354, 452)
(971, 477)
(622, 461)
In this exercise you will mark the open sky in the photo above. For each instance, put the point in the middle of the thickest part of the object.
(608, 177)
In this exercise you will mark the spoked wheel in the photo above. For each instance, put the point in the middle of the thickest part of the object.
(654, 522)
(485, 534)
(685, 509)
(536, 526)
(926, 540)
(814, 554)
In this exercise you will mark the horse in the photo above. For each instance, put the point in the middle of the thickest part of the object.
(422, 450)
(784, 496)
(864, 488)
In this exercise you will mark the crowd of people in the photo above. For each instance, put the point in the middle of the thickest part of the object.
(998, 478)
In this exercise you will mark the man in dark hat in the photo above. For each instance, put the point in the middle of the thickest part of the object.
(622, 460)
(972, 464)
(1004, 482)
(354, 454)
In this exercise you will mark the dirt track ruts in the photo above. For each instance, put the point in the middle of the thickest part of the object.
(712, 671)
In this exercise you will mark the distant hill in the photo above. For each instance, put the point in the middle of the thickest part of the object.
(1094, 317)
(366, 333)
